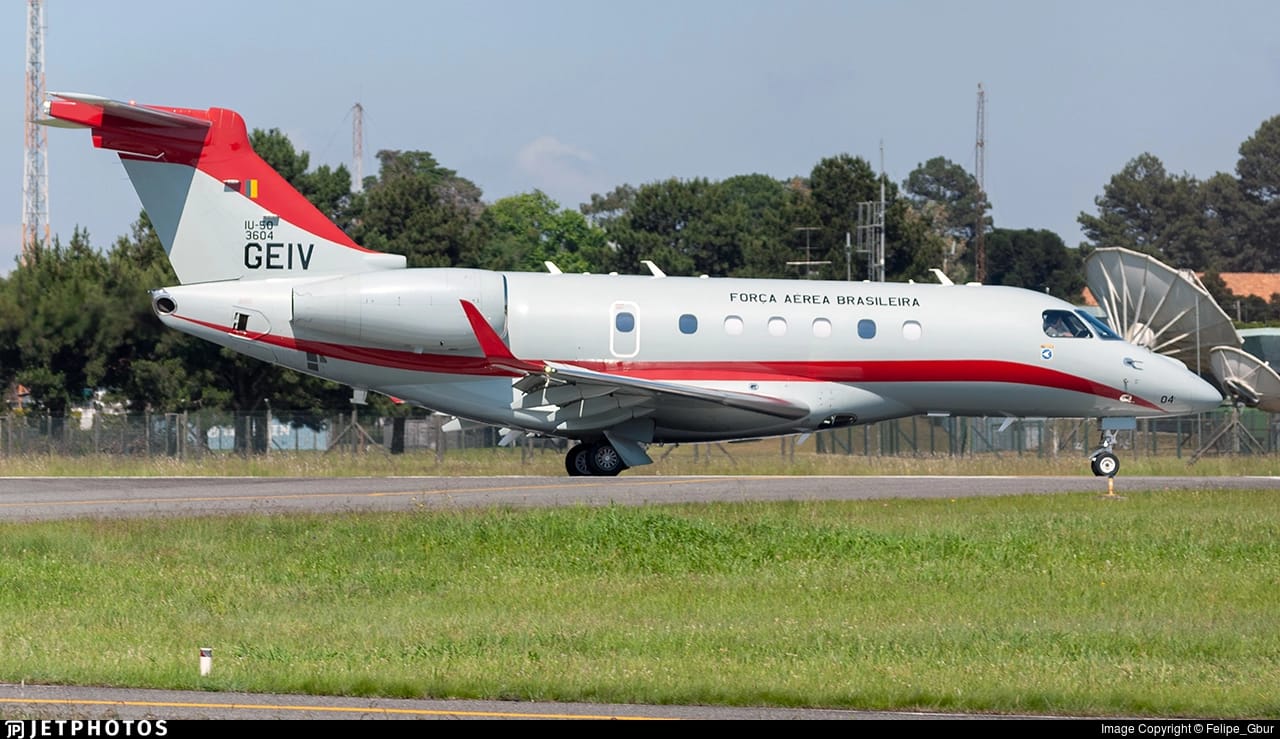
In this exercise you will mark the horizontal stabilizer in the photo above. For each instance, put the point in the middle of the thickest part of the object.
(92, 110)
(144, 131)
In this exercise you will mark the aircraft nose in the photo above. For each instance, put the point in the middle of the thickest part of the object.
(1199, 396)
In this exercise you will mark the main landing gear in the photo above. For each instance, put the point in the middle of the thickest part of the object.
(594, 459)
(1102, 461)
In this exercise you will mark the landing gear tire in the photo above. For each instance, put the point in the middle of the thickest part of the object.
(593, 460)
(575, 462)
(1105, 464)
(604, 460)
(1102, 461)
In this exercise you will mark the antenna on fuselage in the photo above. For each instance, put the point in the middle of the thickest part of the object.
(653, 268)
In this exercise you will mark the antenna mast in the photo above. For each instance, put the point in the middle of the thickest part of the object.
(357, 148)
(871, 229)
(979, 224)
(35, 171)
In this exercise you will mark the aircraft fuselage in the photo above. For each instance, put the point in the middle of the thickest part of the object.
(850, 352)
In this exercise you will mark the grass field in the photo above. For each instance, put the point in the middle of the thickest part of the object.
(766, 457)
(1158, 604)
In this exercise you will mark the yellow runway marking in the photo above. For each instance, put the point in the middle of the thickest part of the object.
(318, 708)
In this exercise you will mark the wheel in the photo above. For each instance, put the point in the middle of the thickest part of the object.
(604, 460)
(575, 462)
(1105, 464)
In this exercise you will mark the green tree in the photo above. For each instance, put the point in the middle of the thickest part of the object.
(153, 367)
(526, 231)
(1145, 209)
(921, 246)
(756, 210)
(1226, 221)
(836, 187)
(420, 209)
(843, 194)
(955, 193)
(1258, 170)
(59, 328)
(605, 209)
(1037, 260)
(671, 223)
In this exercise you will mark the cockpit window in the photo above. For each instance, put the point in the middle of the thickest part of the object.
(1101, 329)
(1063, 324)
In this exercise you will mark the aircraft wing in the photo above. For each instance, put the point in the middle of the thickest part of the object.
(589, 398)
(556, 374)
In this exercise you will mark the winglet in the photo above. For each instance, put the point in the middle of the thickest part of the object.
(491, 344)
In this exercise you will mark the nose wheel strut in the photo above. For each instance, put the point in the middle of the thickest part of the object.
(1103, 462)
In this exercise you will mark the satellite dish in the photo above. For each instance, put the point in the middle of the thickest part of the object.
(1246, 377)
(1153, 305)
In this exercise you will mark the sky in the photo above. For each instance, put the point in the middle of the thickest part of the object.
(575, 97)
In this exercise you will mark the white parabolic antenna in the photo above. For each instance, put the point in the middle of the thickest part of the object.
(1153, 305)
(1248, 378)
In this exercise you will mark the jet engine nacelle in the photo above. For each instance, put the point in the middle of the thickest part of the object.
(418, 309)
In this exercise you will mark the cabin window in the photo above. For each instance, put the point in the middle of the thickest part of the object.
(821, 328)
(1064, 324)
(866, 329)
(625, 322)
(688, 323)
(911, 330)
(777, 326)
(733, 325)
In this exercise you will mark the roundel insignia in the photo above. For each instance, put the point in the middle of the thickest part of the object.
(1046, 352)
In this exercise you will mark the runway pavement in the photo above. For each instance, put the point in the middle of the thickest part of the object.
(46, 498)
(24, 499)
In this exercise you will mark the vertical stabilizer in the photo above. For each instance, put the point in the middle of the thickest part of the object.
(221, 211)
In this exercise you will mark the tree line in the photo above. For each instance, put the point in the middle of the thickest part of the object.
(76, 321)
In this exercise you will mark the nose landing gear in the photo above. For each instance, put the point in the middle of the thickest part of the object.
(1102, 461)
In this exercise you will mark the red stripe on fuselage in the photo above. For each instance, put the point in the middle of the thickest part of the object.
(853, 372)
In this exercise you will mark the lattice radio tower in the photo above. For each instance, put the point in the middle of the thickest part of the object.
(979, 166)
(35, 175)
(357, 147)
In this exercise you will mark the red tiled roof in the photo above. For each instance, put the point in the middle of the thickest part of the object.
(1242, 284)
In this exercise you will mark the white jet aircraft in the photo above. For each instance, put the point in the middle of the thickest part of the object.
(614, 362)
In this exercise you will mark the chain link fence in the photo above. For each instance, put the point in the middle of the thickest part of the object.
(196, 434)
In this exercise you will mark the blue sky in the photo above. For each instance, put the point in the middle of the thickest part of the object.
(574, 97)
